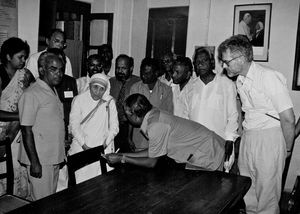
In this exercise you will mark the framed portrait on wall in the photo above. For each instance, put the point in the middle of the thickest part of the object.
(296, 76)
(254, 21)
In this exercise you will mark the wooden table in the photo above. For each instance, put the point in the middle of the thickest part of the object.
(140, 190)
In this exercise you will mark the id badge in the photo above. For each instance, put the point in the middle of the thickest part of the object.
(68, 94)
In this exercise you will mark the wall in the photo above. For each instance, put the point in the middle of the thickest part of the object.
(28, 22)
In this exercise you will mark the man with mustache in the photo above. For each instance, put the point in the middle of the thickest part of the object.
(120, 89)
(42, 124)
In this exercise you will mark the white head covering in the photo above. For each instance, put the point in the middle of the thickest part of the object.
(102, 80)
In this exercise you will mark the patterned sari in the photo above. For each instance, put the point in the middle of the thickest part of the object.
(9, 102)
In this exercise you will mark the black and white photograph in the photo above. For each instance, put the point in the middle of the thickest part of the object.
(253, 21)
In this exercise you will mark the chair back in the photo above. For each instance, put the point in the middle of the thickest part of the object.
(81, 159)
(7, 158)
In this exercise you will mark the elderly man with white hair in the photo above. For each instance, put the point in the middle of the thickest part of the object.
(243, 27)
(93, 122)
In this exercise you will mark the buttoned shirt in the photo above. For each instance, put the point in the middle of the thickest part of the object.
(160, 96)
(214, 106)
(263, 91)
(116, 86)
(32, 65)
(40, 107)
(164, 80)
(179, 138)
(182, 99)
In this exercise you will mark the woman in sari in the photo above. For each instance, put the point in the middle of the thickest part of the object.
(14, 78)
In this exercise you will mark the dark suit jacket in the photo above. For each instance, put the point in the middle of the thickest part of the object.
(67, 90)
(258, 39)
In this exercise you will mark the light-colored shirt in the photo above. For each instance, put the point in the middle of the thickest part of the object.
(179, 138)
(262, 91)
(244, 29)
(41, 108)
(183, 99)
(160, 96)
(164, 80)
(214, 106)
(94, 132)
(83, 84)
(32, 65)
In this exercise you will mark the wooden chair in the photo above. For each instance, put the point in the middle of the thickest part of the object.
(81, 159)
(9, 201)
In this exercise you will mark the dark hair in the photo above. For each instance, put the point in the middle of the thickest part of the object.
(128, 58)
(12, 46)
(94, 57)
(150, 62)
(185, 61)
(206, 51)
(237, 43)
(138, 104)
(54, 31)
(58, 52)
(108, 46)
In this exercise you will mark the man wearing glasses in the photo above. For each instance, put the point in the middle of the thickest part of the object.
(55, 39)
(268, 126)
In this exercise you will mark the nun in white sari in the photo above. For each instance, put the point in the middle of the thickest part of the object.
(93, 122)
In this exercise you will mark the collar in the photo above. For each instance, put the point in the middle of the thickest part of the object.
(145, 121)
(44, 85)
(248, 79)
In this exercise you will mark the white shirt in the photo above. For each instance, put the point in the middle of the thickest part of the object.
(83, 84)
(94, 132)
(182, 99)
(263, 91)
(214, 106)
(32, 65)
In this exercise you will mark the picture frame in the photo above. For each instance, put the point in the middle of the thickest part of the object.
(254, 21)
(296, 75)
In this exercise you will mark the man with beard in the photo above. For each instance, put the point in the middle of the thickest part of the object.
(214, 99)
(120, 89)
(159, 94)
(182, 86)
(94, 65)
(41, 118)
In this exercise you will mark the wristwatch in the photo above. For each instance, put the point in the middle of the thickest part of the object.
(123, 159)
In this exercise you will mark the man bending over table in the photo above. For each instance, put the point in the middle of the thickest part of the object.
(182, 140)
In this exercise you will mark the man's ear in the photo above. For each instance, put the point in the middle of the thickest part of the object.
(131, 69)
(47, 41)
(212, 63)
(41, 71)
(8, 58)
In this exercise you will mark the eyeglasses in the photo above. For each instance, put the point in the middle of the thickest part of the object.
(228, 61)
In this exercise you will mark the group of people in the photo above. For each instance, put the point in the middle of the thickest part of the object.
(179, 109)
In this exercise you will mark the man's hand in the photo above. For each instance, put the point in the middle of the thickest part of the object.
(228, 149)
(114, 158)
(36, 170)
(85, 147)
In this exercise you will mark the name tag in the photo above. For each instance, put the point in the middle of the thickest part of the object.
(68, 94)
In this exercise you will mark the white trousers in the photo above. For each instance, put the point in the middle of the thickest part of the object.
(262, 158)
